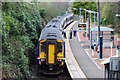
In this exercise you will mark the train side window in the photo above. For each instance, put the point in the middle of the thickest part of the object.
(59, 47)
(63, 24)
(43, 48)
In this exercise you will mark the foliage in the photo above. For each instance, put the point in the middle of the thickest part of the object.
(108, 10)
(42, 12)
(84, 5)
(52, 9)
(21, 28)
(107, 13)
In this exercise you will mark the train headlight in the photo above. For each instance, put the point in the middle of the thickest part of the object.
(42, 59)
(60, 60)
(38, 57)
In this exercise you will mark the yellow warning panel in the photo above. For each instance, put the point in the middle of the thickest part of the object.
(51, 53)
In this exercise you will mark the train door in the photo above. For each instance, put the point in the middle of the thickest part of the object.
(51, 57)
(51, 53)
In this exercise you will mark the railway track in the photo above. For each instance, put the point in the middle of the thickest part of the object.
(39, 76)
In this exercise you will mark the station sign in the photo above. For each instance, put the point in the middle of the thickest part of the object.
(118, 47)
(82, 25)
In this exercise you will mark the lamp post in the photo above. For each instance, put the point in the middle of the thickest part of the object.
(118, 39)
(85, 14)
(89, 19)
(90, 28)
(90, 12)
(98, 16)
(80, 13)
(94, 25)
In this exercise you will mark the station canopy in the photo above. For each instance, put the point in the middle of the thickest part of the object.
(102, 29)
(106, 32)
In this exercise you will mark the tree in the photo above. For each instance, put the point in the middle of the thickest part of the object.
(84, 5)
(42, 13)
(108, 12)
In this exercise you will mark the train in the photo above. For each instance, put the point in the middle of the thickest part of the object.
(51, 45)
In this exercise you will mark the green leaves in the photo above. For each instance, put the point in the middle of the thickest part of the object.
(107, 13)
(84, 5)
(19, 34)
(42, 13)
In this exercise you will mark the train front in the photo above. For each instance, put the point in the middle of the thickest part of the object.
(51, 50)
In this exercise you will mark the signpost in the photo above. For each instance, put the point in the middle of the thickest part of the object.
(118, 50)
(83, 25)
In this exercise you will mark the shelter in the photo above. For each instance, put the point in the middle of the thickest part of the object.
(106, 32)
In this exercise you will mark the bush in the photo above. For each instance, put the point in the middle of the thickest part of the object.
(19, 38)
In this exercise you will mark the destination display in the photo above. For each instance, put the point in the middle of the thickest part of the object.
(82, 25)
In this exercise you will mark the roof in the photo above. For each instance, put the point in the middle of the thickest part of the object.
(51, 33)
(82, 23)
(102, 29)
(53, 29)
(107, 60)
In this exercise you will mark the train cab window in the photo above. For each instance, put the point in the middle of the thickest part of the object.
(43, 48)
(66, 19)
(59, 47)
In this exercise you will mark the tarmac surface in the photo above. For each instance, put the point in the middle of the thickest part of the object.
(85, 63)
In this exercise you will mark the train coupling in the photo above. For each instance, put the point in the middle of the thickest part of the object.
(51, 67)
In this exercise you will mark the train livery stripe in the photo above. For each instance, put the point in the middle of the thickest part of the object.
(38, 52)
(64, 52)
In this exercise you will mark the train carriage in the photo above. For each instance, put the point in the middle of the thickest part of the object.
(51, 47)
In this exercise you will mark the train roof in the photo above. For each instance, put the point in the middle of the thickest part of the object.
(51, 33)
(65, 15)
(53, 29)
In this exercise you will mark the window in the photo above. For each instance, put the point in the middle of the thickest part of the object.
(43, 48)
(63, 24)
(66, 19)
(59, 47)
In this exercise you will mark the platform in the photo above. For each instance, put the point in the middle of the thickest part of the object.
(71, 63)
(78, 62)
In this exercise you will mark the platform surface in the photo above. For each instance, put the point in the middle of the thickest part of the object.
(85, 63)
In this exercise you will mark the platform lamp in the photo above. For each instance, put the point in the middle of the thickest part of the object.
(85, 14)
(80, 13)
(89, 11)
(118, 39)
